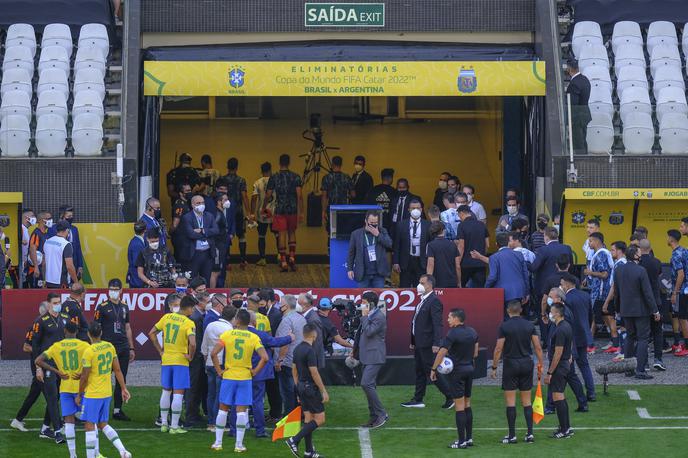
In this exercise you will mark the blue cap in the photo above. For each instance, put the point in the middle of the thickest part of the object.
(325, 304)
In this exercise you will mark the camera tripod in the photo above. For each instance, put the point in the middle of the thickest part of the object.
(314, 158)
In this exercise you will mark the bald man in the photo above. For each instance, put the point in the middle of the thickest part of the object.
(199, 228)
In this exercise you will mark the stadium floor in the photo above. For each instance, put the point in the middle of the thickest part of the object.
(613, 426)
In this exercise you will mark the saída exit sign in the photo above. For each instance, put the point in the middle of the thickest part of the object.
(344, 14)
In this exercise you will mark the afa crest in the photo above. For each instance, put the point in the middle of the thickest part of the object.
(467, 81)
(578, 217)
(236, 77)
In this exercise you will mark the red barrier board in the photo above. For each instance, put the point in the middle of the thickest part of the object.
(483, 311)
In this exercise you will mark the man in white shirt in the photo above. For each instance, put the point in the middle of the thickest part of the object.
(476, 207)
(591, 227)
(292, 322)
(58, 258)
(28, 220)
(210, 337)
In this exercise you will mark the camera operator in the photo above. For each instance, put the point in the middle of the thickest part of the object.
(330, 331)
(155, 264)
(372, 352)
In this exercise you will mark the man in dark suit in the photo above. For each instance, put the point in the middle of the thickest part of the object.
(371, 350)
(200, 229)
(269, 309)
(632, 287)
(426, 336)
(653, 266)
(579, 90)
(545, 263)
(310, 313)
(136, 246)
(400, 205)
(197, 395)
(410, 258)
(508, 270)
(367, 262)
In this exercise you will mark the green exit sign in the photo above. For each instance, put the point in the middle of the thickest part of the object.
(344, 14)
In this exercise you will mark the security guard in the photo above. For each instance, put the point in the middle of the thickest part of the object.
(113, 316)
(181, 207)
(153, 262)
(72, 307)
(180, 175)
(48, 329)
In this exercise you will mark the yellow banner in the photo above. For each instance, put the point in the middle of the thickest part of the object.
(323, 79)
(626, 193)
(658, 218)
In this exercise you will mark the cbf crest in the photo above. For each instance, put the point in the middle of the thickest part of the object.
(578, 217)
(467, 81)
(236, 77)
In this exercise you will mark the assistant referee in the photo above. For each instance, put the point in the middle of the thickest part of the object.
(559, 366)
(516, 335)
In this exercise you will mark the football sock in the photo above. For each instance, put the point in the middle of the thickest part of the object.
(70, 436)
(165, 402)
(461, 425)
(241, 422)
(177, 401)
(292, 249)
(615, 341)
(116, 410)
(112, 436)
(469, 423)
(90, 444)
(220, 423)
(307, 429)
(97, 442)
(567, 419)
(511, 419)
(309, 443)
(528, 413)
(562, 413)
(261, 246)
(44, 427)
(677, 338)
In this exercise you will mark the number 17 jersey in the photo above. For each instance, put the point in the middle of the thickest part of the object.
(239, 347)
(176, 329)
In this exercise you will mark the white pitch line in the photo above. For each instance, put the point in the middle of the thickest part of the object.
(364, 439)
(633, 395)
(645, 415)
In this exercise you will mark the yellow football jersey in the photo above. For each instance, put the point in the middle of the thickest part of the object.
(262, 323)
(67, 355)
(239, 347)
(99, 358)
(176, 329)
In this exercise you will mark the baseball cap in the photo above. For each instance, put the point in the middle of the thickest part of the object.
(325, 304)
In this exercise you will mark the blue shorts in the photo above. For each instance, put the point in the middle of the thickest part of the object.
(67, 404)
(175, 377)
(236, 392)
(95, 410)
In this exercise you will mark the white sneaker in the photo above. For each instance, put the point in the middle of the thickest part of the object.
(125, 454)
(19, 425)
(216, 447)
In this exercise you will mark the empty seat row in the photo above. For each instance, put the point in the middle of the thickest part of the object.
(587, 33)
(630, 55)
(53, 57)
(636, 99)
(52, 102)
(58, 35)
(51, 136)
(18, 79)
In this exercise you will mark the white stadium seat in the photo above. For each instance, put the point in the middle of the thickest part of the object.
(16, 103)
(626, 33)
(51, 136)
(629, 55)
(87, 135)
(667, 76)
(95, 35)
(593, 55)
(88, 102)
(585, 33)
(684, 41)
(638, 133)
(634, 99)
(661, 33)
(630, 76)
(16, 79)
(673, 134)
(664, 55)
(18, 57)
(600, 134)
(15, 136)
(54, 57)
(53, 79)
(89, 79)
(52, 102)
(600, 102)
(671, 100)
(21, 35)
(89, 57)
(58, 35)
(599, 77)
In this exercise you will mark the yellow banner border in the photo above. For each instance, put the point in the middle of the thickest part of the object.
(626, 193)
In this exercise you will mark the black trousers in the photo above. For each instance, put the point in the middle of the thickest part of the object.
(424, 358)
(657, 338)
(409, 276)
(201, 264)
(51, 391)
(123, 357)
(197, 395)
(580, 117)
(638, 335)
(274, 398)
(32, 396)
(476, 274)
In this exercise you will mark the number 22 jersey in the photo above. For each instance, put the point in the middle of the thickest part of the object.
(176, 329)
(239, 347)
(99, 357)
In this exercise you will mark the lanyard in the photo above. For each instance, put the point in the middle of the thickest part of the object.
(368, 242)
(200, 222)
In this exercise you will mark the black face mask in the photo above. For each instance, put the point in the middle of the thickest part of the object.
(541, 225)
(69, 220)
(374, 226)
(237, 303)
(188, 196)
(403, 193)
(157, 213)
(263, 310)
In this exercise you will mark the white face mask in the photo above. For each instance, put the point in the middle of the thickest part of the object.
(550, 301)
(199, 208)
(298, 308)
(420, 289)
(208, 307)
(49, 223)
(470, 197)
(512, 209)
(175, 309)
(154, 245)
(226, 204)
(32, 221)
(551, 316)
(415, 213)
(114, 295)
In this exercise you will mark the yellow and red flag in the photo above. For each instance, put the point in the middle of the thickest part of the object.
(288, 426)
(538, 410)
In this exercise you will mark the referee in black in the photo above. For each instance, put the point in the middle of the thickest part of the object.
(559, 366)
(461, 344)
(517, 339)
(311, 392)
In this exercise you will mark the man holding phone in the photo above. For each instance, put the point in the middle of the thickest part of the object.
(367, 262)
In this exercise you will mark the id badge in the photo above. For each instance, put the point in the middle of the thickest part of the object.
(117, 327)
(203, 244)
(372, 256)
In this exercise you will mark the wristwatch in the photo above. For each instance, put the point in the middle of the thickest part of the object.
(549, 373)
(494, 368)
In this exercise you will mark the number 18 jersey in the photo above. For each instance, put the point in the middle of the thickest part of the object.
(67, 356)
(239, 347)
(176, 329)
(99, 357)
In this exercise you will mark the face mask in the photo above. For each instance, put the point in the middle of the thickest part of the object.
(175, 309)
(199, 208)
(208, 307)
(512, 209)
(442, 184)
(541, 225)
(237, 303)
(188, 196)
(157, 213)
(49, 223)
(69, 220)
(415, 213)
(226, 204)
(298, 308)
(358, 167)
(57, 308)
(32, 221)
(114, 295)
(551, 316)
(262, 310)
(470, 197)
(154, 245)
(550, 301)
(403, 193)
(180, 289)
(3, 236)
(420, 289)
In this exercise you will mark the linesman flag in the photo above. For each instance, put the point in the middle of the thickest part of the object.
(538, 410)
(291, 424)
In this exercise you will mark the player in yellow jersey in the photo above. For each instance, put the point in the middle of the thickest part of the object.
(98, 363)
(262, 322)
(179, 346)
(236, 389)
(66, 354)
